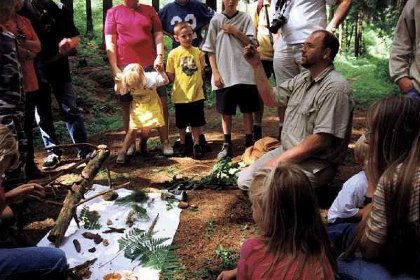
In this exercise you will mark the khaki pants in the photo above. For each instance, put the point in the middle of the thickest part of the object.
(319, 172)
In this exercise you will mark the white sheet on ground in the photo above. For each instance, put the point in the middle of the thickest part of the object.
(166, 226)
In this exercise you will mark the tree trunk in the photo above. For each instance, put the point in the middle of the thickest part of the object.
(89, 20)
(106, 5)
(78, 189)
(69, 5)
(155, 4)
(341, 37)
(358, 34)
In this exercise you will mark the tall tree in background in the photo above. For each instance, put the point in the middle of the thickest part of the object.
(89, 20)
(69, 4)
(106, 5)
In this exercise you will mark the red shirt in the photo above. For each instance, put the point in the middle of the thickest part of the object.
(254, 261)
(23, 26)
(134, 30)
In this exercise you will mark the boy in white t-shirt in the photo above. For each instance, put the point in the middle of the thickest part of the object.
(347, 206)
(233, 78)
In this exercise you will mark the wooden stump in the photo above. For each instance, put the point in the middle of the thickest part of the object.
(78, 189)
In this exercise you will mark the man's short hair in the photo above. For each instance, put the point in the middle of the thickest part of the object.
(181, 25)
(330, 42)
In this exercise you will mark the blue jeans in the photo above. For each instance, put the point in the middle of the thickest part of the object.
(340, 235)
(414, 93)
(70, 113)
(33, 263)
(359, 269)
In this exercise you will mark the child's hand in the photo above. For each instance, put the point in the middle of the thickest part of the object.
(118, 83)
(20, 193)
(227, 275)
(229, 29)
(159, 67)
(217, 79)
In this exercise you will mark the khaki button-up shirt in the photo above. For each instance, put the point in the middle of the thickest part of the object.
(324, 105)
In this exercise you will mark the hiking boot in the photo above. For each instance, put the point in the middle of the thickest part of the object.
(131, 150)
(167, 149)
(121, 158)
(180, 149)
(226, 151)
(197, 151)
(51, 162)
(256, 132)
(205, 147)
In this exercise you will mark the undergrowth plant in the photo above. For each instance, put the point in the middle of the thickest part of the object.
(136, 213)
(228, 258)
(137, 196)
(89, 219)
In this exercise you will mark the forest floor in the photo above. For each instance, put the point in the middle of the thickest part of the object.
(209, 237)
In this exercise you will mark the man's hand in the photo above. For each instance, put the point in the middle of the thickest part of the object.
(20, 193)
(218, 80)
(158, 62)
(227, 275)
(252, 56)
(229, 29)
(65, 46)
(405, 84)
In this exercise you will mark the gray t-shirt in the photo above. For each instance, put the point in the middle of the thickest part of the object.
(303, 18)
(229, 50)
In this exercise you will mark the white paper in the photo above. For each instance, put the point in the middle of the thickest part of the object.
(166, 226)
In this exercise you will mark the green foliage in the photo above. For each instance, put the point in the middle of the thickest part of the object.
(170, 201)
(139, 212)
(89, 219)
(137, 196)
(228, 258)
(209, 228)
(139, 245)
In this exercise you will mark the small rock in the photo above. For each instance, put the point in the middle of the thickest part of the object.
(105, 242)
(183, 205)
(92, 250)
(109, 222)
(76, 244)
(194, 206)
(111, 196)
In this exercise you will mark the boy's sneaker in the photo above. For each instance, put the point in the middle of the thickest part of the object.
(51, 162)
(256, 132)
(197, 151)
(167, 149)
(121, 158)
(205, 147)
(226, 151)
(132, 150)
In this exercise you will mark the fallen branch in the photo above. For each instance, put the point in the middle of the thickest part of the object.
(77, 145)
(79, 188)
(64, 171)
(103, 192)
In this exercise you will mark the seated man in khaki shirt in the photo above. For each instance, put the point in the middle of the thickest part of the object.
(319, 105)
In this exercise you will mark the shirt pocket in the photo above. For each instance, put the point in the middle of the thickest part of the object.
(308, 114)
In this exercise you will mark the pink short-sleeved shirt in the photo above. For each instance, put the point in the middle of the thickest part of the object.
(254, 261)
(134, 30)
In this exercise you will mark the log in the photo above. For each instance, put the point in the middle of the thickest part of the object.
(78, 189)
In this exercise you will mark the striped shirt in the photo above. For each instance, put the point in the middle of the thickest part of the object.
(376, 230)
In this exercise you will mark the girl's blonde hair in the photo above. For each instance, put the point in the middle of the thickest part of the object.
(133, 77)
(288, 216)
(8, 147)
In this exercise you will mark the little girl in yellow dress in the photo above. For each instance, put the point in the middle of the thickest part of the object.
(146, 109)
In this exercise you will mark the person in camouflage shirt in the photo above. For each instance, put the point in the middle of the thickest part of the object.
(11, 91)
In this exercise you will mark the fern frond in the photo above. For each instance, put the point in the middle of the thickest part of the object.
(137, 196)
(89, 219)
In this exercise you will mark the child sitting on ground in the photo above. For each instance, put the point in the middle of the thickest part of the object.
(293, 243)
(347, 206)
(146, 110)
(185, 67)
(233, 78)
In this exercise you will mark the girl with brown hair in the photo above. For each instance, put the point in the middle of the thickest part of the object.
(293, 243)
(389, 233)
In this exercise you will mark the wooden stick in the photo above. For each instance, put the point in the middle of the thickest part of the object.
(103, 192)
(64, 171)
(45, 200)
(109, 177)
(77, 145)
(152, 226)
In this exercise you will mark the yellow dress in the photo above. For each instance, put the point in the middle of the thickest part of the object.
(146, 109)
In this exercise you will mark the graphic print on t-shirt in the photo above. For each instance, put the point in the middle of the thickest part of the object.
(190, 18)
(188, 65)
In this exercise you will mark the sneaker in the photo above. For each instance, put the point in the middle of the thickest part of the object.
(197, 151)
(132, 150)
(167, 149)
(226, 151)
(51, 162)
(205, 147)
(256, 132)
(121, 158)
(84, 154)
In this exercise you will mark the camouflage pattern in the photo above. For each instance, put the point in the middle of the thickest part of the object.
(12, 100)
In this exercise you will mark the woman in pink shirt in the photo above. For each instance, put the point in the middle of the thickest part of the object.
(133, 34)
(293, 243)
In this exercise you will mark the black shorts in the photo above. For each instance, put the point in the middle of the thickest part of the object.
(244, 96)
(190, 114)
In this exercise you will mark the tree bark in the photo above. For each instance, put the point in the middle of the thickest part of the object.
(155, 4)
(89, 20)
(78, 189)
(106, 5)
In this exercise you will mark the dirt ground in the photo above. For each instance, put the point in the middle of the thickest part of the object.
(223, 219)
